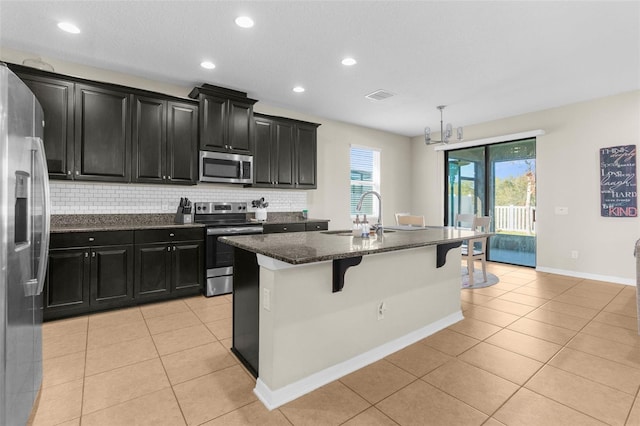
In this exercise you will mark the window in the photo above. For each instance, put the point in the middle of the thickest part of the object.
(365, 176)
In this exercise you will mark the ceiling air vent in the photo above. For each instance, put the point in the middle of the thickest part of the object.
(379, 95)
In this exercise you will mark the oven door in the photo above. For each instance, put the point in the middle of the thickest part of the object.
(220, 258)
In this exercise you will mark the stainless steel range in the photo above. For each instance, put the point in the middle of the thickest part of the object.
(222, 219)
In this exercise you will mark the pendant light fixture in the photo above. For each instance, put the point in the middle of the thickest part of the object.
(445, 132)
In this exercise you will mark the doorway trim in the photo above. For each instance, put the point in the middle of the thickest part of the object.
(488, 141)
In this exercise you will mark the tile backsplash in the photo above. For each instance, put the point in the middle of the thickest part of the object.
(87, 198)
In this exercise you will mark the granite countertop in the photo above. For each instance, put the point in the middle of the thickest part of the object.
(114, 222)
(125, 222)
(309, 247)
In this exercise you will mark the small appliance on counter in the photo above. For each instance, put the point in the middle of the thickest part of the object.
(185, 211)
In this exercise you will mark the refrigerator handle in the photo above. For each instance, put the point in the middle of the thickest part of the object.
(38, 147)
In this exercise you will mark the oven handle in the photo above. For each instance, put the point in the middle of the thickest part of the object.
(235, 230)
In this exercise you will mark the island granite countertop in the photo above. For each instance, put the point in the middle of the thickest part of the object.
(309, 247)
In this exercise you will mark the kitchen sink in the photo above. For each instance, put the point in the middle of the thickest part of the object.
(345, 232)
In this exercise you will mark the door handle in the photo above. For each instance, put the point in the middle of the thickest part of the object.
(38, 150)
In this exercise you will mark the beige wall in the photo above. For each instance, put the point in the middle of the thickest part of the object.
(331, 199)
(567, 176)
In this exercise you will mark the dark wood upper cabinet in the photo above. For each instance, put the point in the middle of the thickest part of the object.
(182, 143)
(164, 141)
(149, 139)
(56, 98)
(262, 168)
(105, 132)
(306, 160)
(102, 134)
(282, 154)
(239, 126)
(285, 153)
(226, 119)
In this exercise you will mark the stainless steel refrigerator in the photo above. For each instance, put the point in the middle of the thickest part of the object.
(24, 243)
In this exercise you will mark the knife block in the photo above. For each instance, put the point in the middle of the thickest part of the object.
(183, 218)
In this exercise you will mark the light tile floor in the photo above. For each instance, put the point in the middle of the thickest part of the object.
(534, 349)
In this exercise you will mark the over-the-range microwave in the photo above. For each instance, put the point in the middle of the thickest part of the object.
(225, 168)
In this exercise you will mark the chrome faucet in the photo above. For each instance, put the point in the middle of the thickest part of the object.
(378, 226)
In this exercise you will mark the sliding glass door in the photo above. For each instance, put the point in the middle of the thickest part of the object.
(499, 181)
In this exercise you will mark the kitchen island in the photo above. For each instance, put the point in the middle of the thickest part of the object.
(311, 307)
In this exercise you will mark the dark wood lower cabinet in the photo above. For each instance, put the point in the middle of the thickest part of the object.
(188, 266)
(81, 279)
(67, 283)
(169, 263)
(111, 275)
(153, 263)
(84, 275)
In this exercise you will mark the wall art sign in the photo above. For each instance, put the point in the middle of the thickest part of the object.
(618, 190)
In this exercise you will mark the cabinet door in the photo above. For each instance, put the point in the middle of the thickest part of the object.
(67, 282)
(306, 157)
(188, 267)
(182, 143)
(102, 134)
(56, 98)
(262, 168)
(283, 155)
(111, 275)
(213, 118)
(153, 271)
(149, 140)
(239, 130)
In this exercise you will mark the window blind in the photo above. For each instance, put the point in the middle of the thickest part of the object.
(364, 174)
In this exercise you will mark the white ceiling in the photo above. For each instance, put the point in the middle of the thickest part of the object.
(485, 60)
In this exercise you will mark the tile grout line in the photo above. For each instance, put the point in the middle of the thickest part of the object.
(173, 392)
(557, 352)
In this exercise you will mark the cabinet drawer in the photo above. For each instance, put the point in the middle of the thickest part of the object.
(317, 226)
(145, 236)
(97, 238)
(272, 228)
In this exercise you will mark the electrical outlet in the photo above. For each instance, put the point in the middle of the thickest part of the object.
(164, 206)
(574, 254)
(266, 299)
(382, 307)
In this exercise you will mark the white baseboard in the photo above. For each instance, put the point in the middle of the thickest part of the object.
(275, 398)
(595, 277)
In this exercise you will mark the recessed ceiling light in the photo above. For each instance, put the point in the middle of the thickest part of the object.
(244, 22)
(207, 65)
(68, 27)
(349, 61)
(298, 89)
